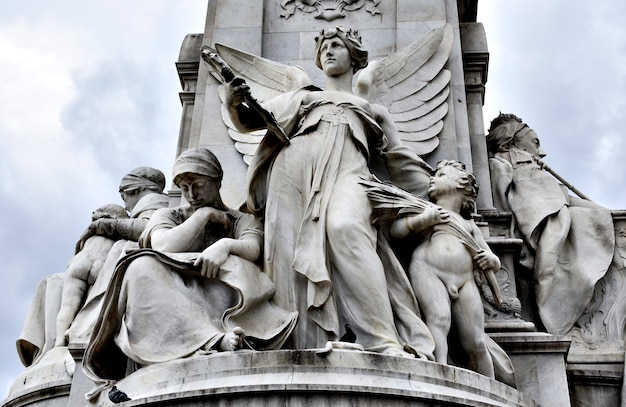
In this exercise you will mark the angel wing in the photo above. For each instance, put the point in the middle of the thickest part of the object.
(414, 86)
(266, 79)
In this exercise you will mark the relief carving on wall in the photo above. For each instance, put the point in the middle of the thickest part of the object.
(328, 9)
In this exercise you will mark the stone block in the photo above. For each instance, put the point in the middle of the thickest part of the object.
(426, 10)
(539, 362)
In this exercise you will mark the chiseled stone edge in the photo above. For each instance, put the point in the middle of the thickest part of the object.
(39, 395)
(293, 372)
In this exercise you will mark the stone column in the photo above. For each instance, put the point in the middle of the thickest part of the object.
(475, 63)
(187, 67)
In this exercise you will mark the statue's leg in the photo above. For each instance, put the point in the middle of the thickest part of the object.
(434, 301)
(74, 288)
(357, 271)
(469, 320)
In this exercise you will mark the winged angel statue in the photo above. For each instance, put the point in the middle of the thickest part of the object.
(321, 250)
(412, 84)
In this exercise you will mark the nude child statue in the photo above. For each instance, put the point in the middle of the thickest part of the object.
(442, 265)
(83, 269)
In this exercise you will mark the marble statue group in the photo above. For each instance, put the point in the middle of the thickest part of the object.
(310, 260)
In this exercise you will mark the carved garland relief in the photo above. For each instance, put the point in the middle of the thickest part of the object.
(328, 10)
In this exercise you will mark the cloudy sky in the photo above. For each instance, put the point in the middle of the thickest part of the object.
(561, 66)
(88, 91)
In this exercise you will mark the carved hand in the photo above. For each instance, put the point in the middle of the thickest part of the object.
(212, 258)
(101, 227)
(237, 91)
(215, 216)
(487, 261)
(434, 215)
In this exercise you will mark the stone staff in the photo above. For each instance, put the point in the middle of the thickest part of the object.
(562, 180)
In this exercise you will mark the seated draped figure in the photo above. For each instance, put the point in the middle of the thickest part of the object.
(193, 288)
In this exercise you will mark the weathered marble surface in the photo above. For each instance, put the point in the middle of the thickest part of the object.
(42, 345)
(293, 377)
(450, 258)
(194, 286)
(569, 240)
(326, 259)
(592, 370)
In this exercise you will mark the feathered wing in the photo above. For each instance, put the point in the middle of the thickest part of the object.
(413, 85)
(266, 79)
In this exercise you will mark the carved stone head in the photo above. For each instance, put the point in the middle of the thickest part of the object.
(140, 182)
(507, 131)
(502, 132)
(109, 211)
(200, 161)
(351, 38)
(452, 177)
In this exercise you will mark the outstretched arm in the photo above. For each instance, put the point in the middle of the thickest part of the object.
(129, 229)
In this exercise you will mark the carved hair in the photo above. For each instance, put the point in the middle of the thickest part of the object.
(143, 178)
(198, 160)
(111, 211)
(466, 184)
(351, 38)
(504, 131)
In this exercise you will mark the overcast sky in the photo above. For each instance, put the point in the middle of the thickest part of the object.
(89, 90)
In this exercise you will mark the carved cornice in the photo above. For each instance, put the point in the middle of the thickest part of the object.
(188, 74)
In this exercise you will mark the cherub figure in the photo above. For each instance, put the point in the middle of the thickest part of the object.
(442, 266)
(83, 269)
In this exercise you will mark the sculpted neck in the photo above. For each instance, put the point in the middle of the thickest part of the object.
(450, 202)
(340, 83)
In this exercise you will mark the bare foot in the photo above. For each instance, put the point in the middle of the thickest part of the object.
(397, 352)
(232, 340)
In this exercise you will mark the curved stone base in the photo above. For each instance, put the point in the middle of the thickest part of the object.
(46, 383)
(304, 378)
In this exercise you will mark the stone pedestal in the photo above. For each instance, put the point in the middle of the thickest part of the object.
(45, 384)
(81, 384)
(305, 378)
(596, 377)
(539, 362)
